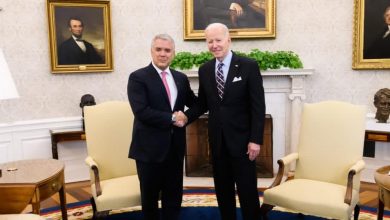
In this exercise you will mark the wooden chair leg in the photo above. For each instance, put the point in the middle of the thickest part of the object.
(264, 209)
(93, 204)
(356, 212)
(98, 215)
(102, 215)
(381, 207)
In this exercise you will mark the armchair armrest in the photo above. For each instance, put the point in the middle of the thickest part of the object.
(289, 158)
(95, 169)
(282, 162)
(356, 168)
(90, 162)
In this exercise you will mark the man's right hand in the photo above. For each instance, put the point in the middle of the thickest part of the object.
(237, 8)
(181, 119)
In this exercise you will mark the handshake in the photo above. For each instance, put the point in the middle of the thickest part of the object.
(180, 119)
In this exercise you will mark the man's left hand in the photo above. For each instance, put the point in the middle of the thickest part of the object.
(253, 150)
(181, 119)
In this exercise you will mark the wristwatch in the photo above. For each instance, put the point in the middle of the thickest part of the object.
(173, 118)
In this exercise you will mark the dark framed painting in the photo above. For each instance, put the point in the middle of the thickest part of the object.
(80, 36)
(371, 40)
(244, 18)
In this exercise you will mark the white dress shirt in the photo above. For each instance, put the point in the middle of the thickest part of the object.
(80, 43)
(226, 64)
(171, 84)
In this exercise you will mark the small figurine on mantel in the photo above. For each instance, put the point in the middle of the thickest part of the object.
(382, 104)
(86, 100)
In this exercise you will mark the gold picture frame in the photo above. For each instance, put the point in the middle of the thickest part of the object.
(80, 36)
(370, 43)
(256, 21)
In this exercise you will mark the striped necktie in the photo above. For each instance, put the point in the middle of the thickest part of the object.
(220, 81)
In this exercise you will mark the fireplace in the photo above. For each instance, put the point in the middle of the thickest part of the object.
(284, 96)
(198, 156)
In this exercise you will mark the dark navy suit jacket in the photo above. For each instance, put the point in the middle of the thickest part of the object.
(239, 117)
(218, 11)
(69, 53)
(153, 131)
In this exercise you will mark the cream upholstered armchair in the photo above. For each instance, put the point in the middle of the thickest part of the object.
(326, 180)
(114, 180)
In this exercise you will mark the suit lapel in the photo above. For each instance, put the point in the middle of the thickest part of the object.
(233, 72)
(178, 86)
(154, 75)
(75, 45)
(211, 78)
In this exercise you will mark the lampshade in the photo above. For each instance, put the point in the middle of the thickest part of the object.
(7, 85)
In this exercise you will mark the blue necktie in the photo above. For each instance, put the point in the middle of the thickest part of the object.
(220, 81)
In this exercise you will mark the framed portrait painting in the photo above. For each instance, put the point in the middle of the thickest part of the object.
(244, 18)
(80, 36)
(371, 45)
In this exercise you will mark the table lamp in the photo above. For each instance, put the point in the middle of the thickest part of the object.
(7, 85)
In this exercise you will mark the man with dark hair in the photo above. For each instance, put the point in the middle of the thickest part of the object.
(380, 48)
(75, 50)
(234, 13)
(157, 96)
(382, 103)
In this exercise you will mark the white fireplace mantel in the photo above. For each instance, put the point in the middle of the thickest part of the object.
(284, 92)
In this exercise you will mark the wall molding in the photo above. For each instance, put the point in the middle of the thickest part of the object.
(31, 140)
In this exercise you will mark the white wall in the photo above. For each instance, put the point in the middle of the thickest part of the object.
(32, 140)
(319, 31)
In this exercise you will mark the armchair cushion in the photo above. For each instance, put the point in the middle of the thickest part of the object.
(303, 196)
(118, 193)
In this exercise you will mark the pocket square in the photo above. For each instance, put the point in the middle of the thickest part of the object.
(236, 79)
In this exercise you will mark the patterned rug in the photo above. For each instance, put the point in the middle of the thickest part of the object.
(201, 198)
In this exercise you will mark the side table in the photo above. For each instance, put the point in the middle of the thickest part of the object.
(26, 182)
(375, 132)
(64, 135)
(382, 178)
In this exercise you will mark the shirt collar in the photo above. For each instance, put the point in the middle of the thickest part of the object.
(226, 61)
(159, 71)
(75, 38)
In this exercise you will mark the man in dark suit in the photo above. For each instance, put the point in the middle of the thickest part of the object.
(233, 13)
(380, 48)
(231, 89)
(157, 96)
(75, 50)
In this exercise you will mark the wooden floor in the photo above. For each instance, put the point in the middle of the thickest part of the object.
(80, 191)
